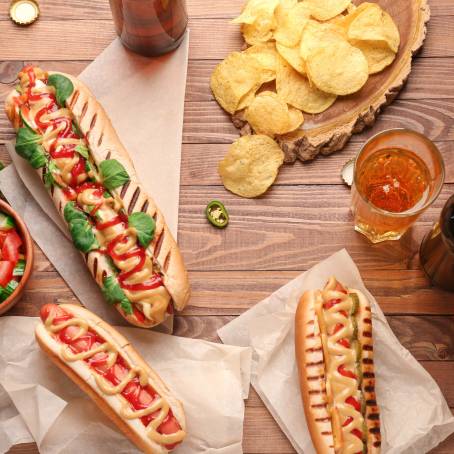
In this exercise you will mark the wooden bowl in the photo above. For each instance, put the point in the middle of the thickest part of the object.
(28, 252)
(329, 131)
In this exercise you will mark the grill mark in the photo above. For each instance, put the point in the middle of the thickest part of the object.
(133, 202)
(368, 347)
(319, 405)
(368, 375)
(124, 188)
(316, 391)
(314, 363)
(52, 190)
(167, 261)
(86, 256)
(374, 417)
(368, 321)
(374, 430)
(315, 377)
(327, 432)
(95, 266)
(368, 309)
(310, 322)
(155, 216)
(369, 389)
(100, 139)
(368, 361)
(371, 402)
(84, 110)
(367, 334)
(59, 206)
(144, 207)
(308, 336)
(108, 155)
(323, 419)
(312, 350)
(104, 275)
(93, 121)
(377, 444)
(159, 244)
(74, 99)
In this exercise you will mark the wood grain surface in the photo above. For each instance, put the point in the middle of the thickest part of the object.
(300, 221)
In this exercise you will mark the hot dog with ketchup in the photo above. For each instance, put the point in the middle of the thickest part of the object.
(104, 365)
(334, 352)
(65, 134)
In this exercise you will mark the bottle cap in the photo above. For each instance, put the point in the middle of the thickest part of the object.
(24, 12)
(347, 172)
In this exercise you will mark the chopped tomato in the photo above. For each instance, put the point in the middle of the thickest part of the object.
(3, 235)
(60, 314)
(11, 245)
(340, 288)
(346, 373)
(354, 403)
(344, 342)
(347, 421)
(329, 304)
(344, 313)
(169, 426)
(6, 272)
(357, 433)
(138, 314)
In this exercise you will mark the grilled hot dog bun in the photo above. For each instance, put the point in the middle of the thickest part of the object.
(334, 353)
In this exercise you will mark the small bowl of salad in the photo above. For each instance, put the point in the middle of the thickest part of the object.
(16, 256)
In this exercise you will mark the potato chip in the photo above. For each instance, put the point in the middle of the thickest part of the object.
(296, 90)
(353, 11)
(316, 35)
(290, 22)
(374, 24)
(246, 100)
(233, 78)
(327, 9)
(292, 56)
(266, 57)
(251, 165)
(339, 68)
(258, 33)
(254, 9)
(268, 114)
(378, 55)
(296, 119)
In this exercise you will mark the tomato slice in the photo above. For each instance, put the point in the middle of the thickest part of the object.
(170, 425)
(354, 403)
(357, 433)
(346, 373)
(6, 272)
(11, 245)
(329, 304)
(60, 315)
(340, 288)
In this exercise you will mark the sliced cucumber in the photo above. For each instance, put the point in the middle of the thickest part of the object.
(355, 301)
(19, 268)
(6, 222)
(6, 292)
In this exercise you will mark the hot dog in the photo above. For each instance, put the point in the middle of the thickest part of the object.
(65, 134)
(334, 353)
(104, 365)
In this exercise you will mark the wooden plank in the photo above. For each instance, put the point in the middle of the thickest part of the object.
(206, 122)
(86, 9)
(200, 163)
(84, 40)
(286, 229)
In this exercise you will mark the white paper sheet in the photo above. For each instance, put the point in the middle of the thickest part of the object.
(414, 414)
(210, 379)
(144, 97)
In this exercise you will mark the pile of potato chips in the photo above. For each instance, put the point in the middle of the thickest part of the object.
(301, 56)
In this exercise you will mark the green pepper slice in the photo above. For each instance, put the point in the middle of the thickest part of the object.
(217, 214)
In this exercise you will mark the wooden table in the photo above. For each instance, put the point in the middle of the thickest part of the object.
(301, 220)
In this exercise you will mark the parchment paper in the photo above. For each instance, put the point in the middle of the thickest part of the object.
(145, 100)
(38, 402)
(414, 414)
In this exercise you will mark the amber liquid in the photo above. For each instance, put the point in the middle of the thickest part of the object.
(150, 27)
(394, 180)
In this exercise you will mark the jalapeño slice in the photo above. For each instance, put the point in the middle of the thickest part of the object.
(217, 214)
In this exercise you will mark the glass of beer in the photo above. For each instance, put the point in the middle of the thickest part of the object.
(398, 174)
(150, 27)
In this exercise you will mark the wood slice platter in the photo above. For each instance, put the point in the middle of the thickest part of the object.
(330, 130)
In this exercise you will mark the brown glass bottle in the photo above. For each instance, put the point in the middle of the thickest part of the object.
(437, 249)
(150, 27)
